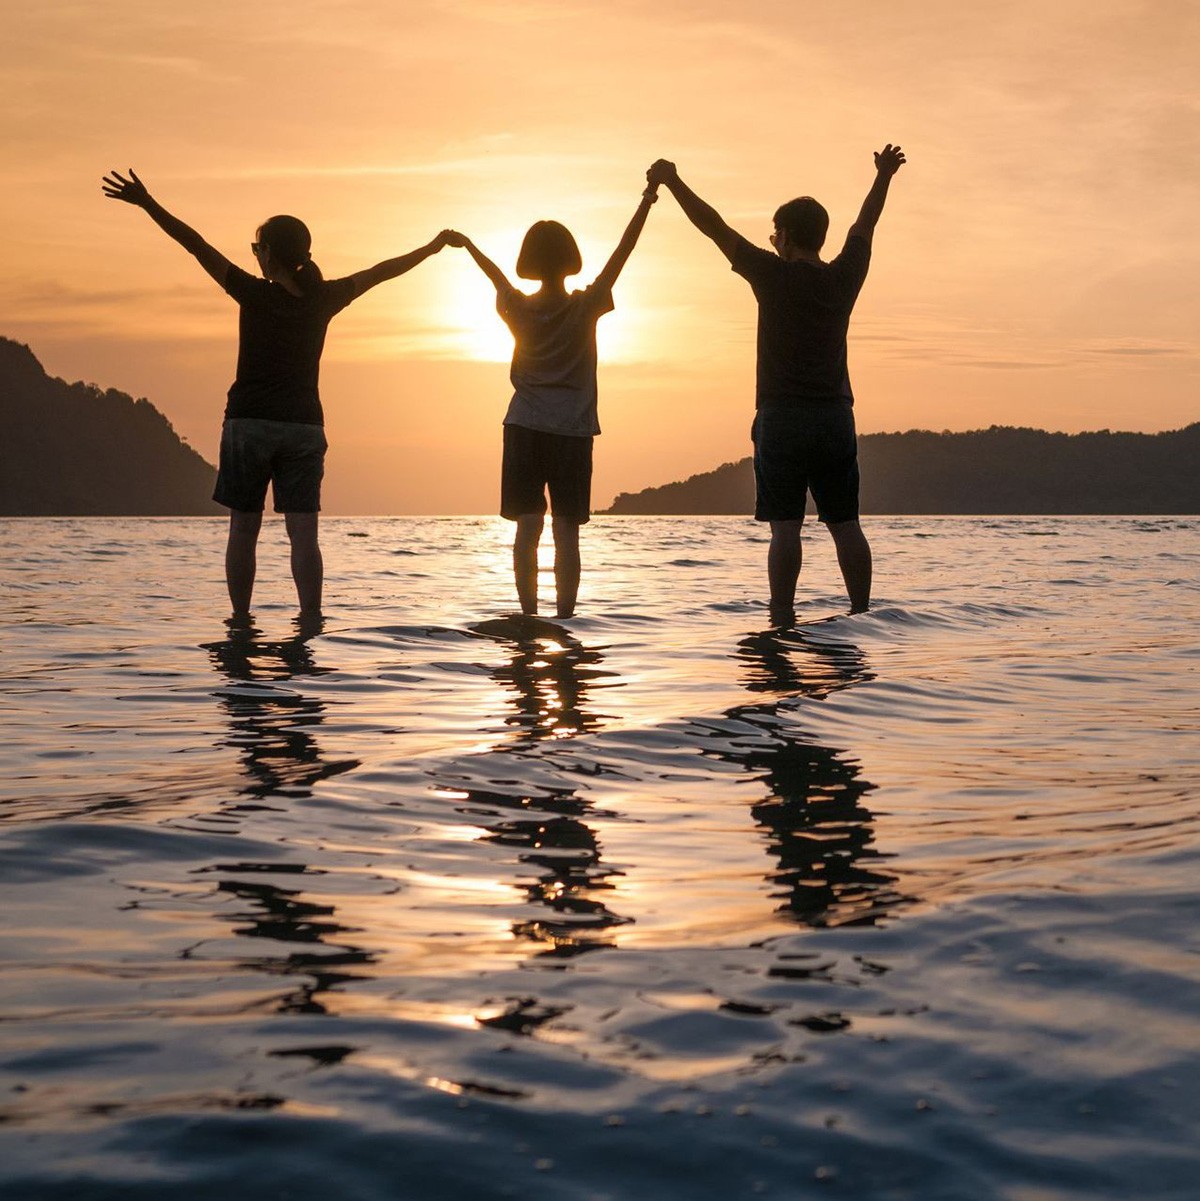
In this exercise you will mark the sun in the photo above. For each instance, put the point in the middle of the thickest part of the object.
(479, 332)
(467, 300)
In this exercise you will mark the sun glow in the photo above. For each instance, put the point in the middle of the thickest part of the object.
(465, 304)
(484, 338)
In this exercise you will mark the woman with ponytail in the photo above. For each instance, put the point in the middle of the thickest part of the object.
(274, 426)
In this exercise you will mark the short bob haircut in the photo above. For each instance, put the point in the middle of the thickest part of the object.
(548, 252)
(805, 221)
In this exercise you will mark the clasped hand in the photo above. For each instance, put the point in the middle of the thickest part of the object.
(660, 172)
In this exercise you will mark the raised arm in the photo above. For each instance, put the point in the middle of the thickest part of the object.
(498, 278)
(620, 256)
(703, 216)
(133, 191)
(391, 268)
(888, 161)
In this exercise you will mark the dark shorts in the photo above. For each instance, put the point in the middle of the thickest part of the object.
(287, 454)
(535, 461)
(801, 450)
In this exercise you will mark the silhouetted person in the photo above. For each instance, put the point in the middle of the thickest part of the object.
(551, 418)
(274, 426)
(804, 436)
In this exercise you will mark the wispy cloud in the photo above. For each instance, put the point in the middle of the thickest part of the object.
(1142, 351)
(474, 165)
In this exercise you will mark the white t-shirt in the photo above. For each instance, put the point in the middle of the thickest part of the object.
(554, 361)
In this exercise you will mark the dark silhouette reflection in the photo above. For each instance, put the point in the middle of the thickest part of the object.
(548, 833)
(273, 729)
(547, 679)
(818, 829)
(786, 662)
(284, 916)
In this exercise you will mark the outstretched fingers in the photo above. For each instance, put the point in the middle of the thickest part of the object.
(117, 187)
(890, 159)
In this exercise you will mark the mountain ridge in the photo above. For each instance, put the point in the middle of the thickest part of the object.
(73, 450)
(1000, 470)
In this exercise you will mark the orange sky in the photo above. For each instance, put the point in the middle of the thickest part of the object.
(1038, 263)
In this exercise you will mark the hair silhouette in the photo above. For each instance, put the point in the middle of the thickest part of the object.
(805, 221)
(290, 244)
(549, 251)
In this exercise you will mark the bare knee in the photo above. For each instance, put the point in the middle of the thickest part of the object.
(302, 529)
(846, 531)
(529, 527)
(566, 530)
(244, 525)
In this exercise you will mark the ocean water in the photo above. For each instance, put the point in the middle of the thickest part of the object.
(439, 903)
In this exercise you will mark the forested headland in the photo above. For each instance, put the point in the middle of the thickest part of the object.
(77, 450)
(997, 470)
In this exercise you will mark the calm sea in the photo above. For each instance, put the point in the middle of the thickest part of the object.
(655, 903)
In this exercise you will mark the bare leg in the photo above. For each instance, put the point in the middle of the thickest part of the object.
(525, 560)
(854, 558)
(784, 559)
(308, 568)
(241, 559)
(566, 565)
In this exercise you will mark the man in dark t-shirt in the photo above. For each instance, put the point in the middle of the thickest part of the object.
(804, 436)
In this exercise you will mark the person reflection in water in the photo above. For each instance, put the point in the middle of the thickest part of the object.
(273, 728)
(803, 433)
(274, 425)
(552, 417)
(548, 678)
(818, 828)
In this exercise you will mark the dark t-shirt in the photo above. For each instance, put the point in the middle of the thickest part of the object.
(803, 314)
(280, 339)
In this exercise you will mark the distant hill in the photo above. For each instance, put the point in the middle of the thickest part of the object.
(73, 450)
(997, 470)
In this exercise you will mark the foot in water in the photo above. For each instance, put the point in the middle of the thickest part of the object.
(782, 618)
(309, 622)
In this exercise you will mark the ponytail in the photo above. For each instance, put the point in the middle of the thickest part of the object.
(307, 276)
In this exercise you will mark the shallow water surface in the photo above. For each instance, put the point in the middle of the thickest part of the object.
(438, 902)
